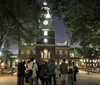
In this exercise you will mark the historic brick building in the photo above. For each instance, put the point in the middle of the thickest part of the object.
(45, 48)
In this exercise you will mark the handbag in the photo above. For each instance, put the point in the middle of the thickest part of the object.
(29, 72)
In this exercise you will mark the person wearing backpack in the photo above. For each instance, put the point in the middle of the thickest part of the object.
(32, 66)
(64, 72)
(45, 74)
(52, 73)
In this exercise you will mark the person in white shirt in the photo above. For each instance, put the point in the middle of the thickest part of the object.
(32, 65)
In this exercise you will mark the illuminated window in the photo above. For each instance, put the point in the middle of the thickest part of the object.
(60, 52)
(60, 61)
(66, 52)
(48, 54)
(28, 52)
(41, 54)
(45, 53)
(45, 33)
(34, 52)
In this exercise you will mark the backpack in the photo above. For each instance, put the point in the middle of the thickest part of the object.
(45, 72)
(29, 72)
(52, 68)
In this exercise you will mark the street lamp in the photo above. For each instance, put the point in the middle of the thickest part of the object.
(0, 53)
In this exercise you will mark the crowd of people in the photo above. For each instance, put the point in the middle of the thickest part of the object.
(45, 73)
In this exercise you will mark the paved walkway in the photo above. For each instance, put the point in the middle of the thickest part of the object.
(82, 79)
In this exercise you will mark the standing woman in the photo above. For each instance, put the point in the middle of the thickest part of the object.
(27, 78)
(70, 73)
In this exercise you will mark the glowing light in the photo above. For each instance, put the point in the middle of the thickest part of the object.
(46, 33)
(44, 3)
(2, 64)
(87, 60)
(16, 60)
(45, 40)
(0, 53)
(48, 15)
(81, 60)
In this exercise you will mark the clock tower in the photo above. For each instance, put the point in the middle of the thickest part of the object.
(48, 33)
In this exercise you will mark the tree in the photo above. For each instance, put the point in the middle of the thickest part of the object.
(19, 20)
(81, 19)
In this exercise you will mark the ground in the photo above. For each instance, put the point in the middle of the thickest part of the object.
(82, 79)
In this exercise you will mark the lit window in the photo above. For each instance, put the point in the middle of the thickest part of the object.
(66, 52)
(45, 33)
(60, 52)
(48, 54)
(41, 55)
(34, 52)
(28, 52)
(45, 53)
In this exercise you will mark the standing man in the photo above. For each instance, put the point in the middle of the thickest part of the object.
(32, 65)
(52, 73)
(64, 72)
(21, 73)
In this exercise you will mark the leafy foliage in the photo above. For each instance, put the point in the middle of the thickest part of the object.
(81, 19)
(19, 20)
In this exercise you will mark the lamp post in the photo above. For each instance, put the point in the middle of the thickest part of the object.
(0, 53)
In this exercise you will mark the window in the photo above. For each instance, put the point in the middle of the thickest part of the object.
(34, 52)
(56, 52)
(45, 53)
(45, 33)
(48, 54)
(28, 52)
(60, 52)
(42, 55)
(66, 52)
(22, 52)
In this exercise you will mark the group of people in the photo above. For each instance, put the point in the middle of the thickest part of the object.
(68, 73)
(45, 71)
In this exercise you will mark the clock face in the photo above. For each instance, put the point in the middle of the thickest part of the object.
(45, 40)
(45, 22)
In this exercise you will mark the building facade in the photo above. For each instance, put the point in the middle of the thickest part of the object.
(45, 48)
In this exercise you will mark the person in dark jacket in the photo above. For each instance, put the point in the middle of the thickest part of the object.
(75, 72)
(38, 73)
(44, 74)
(21, 73)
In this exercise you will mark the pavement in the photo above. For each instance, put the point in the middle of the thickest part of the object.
(82, 79)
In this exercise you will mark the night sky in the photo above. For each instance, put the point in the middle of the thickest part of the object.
(60, 34)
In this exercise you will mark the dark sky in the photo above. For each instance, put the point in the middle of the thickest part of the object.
(60, 31)
(60, 34)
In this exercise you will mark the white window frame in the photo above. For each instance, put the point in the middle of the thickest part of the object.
(60, 52)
